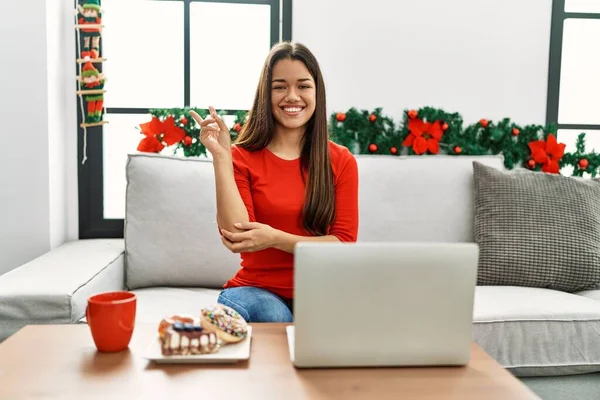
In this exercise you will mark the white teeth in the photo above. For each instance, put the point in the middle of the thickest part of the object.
(292, 109)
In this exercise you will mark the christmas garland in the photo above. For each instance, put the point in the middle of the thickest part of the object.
(434, 131)
(175, 128)
(423, 131)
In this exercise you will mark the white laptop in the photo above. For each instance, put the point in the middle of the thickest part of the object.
(383, 304)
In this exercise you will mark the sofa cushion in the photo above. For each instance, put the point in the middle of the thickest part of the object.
(154, 304)
(538, 332)
(536, 229)
(418, 198)
(171, 236)
(54, 288)
(566, 387)
(591, 294)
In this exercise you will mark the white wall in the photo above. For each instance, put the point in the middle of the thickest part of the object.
(56, 127)
(70, 112)
(482, 59)
(62, 121)
(24, 211)
(34, 109)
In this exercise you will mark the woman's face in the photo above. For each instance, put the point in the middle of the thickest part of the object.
(293, 93)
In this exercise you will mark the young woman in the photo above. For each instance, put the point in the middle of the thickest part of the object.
(281, 183)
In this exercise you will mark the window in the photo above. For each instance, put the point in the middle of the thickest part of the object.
(167, 54)
(574, 81)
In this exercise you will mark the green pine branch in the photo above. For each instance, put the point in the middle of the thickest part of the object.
(372, 132)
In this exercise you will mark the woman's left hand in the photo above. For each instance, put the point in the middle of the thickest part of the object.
(255, 237)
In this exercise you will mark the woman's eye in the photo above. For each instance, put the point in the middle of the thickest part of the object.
(278, 87)
(304, 87)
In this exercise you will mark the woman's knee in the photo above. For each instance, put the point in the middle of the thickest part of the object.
(234, 303)
(256, 305)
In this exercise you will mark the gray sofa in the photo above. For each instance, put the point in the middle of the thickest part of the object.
(173, 259)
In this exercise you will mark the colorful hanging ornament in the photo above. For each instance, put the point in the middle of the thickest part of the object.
(531, 164)
(373, 147)
(183, 120)
(92, 84)
(583, 163)
(515, 132)
(372, 118)
(237, 127)
(484, 122)
(457, 149)
(412, 114)
(444, 126)
(341, 117)
(187, 140)
(393, 150)
(90, 14)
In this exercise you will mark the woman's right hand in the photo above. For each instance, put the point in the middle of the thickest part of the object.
(217, 139)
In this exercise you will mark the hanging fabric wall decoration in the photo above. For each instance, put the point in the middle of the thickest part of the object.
(88, 25)
(90, 21)
(92, 83)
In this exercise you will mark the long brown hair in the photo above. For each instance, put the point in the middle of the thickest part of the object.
(319, 200)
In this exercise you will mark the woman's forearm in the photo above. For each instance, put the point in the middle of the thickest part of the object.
(230, 206)
(287, 242)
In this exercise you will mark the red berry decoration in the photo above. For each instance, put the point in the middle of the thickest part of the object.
(394, 150)
(412, 114)
(583, 163)
(184, 120)
(458, 150)
(372, 117)
(237, 127)
(444, 126)
(515, 132)
(340, 117)
(187, 140)
(531, 164)
(484, 122)
(372, 147)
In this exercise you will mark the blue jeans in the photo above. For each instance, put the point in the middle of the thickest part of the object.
(257, 305)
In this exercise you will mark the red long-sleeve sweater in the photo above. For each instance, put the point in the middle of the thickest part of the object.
(273, 191)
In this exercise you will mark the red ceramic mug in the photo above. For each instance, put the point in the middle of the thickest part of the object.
(111, 318)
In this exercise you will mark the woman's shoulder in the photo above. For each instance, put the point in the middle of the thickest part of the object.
(242, 159)
(342, 160)
(239, 150)
(240, 153)
(340, 154)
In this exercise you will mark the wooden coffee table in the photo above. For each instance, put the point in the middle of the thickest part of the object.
(60, 362)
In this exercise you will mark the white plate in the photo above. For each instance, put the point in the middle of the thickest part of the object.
(230, 353)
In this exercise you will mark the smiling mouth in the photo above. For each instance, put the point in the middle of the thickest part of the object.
(292, 110)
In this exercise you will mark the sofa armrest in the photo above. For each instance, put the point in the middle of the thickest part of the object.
(54, 288)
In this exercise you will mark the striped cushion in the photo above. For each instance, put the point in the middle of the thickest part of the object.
(536, 229)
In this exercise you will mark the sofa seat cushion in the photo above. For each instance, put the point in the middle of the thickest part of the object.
(154, 304)
(538, 332)
(54, 288)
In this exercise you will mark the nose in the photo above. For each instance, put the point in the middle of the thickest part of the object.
(291, 95)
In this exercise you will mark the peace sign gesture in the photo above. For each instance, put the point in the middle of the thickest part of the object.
(214, 134)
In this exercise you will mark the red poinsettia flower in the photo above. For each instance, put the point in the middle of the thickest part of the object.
(160, 133)
(424, 136)
(548, 153)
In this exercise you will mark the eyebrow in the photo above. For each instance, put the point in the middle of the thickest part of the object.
(299, 80)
